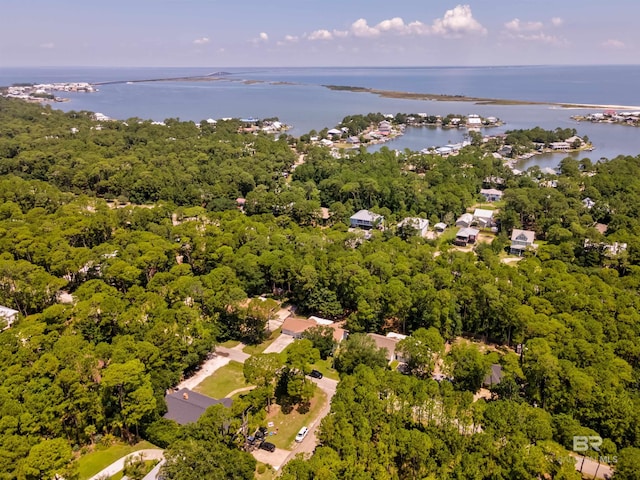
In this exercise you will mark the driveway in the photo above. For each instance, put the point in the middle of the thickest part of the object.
(220, 358)
(276, 459)
(308, 445)
(236, 354)
(590, 467)
(279, 344)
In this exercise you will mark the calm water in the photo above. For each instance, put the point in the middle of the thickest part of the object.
(304, 103)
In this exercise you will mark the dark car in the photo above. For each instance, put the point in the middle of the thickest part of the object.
(315, 374)
(268, 446)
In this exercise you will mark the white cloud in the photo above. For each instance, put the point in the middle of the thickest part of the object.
(613, 43)
(201, 41)
(457, 22)
(48, 45)
(264, 37)
(516, 25)
(540, 37)
(557, 21)
(320, 35)
(516, 29)
(360, 28)
(290, 38)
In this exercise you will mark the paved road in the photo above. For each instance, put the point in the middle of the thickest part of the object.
(591, 466)
(118, 465)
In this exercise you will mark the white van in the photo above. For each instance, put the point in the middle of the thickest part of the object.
(301, 434)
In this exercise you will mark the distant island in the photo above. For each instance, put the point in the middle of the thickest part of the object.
(463, 98)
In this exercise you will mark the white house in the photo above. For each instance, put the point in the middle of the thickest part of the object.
(421, 225)
(465, 220)
(491, 194)
(521, 240)
(366, 219)
(483, 217)
(7, 317)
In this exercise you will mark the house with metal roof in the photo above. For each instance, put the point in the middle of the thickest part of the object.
(366, 219)
(521, 240)
(186, 406)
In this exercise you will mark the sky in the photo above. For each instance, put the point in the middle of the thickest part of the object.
(245, 33)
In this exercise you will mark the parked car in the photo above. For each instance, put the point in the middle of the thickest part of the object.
(268, 446)
(315, 374)
(301, 434)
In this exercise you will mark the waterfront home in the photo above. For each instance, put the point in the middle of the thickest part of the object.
(521, 240)
(366, 219)
(491, 194)
(384, 127)
(560, 146)
(334, 132)
(466, 236)
(474, 121)
(420, 225)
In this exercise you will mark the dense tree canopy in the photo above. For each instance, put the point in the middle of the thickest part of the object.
(158, 282)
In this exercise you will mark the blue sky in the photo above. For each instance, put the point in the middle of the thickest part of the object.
(318, 33)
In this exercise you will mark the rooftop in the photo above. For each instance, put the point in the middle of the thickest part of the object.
(186, 406)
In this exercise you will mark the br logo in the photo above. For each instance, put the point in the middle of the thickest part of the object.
(582, 443)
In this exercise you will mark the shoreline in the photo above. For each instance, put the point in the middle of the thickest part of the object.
(476, 100)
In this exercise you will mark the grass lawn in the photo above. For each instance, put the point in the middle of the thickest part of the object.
(148, 466)
(288, 425)
(94, 462)
(256, 349)
(230, 344)
(223, 381)
(268, 474)
(325, 367)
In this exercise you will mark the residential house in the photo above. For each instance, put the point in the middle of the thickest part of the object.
(295, 327)
(421, 225)
(466, 236)
(7, 317)
(384, 127)
(560, 146)
(465, 220)
(440, 227)
(186, 406)
(474, 121)
(588, 203)
(491, 194)
(334, 132)
(366, 219)
(521, 240)
(484, 218)
(389, 343)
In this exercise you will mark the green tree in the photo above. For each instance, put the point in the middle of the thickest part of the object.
(468, 366)
(262, 370)
(421, 350)
(359, 349)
